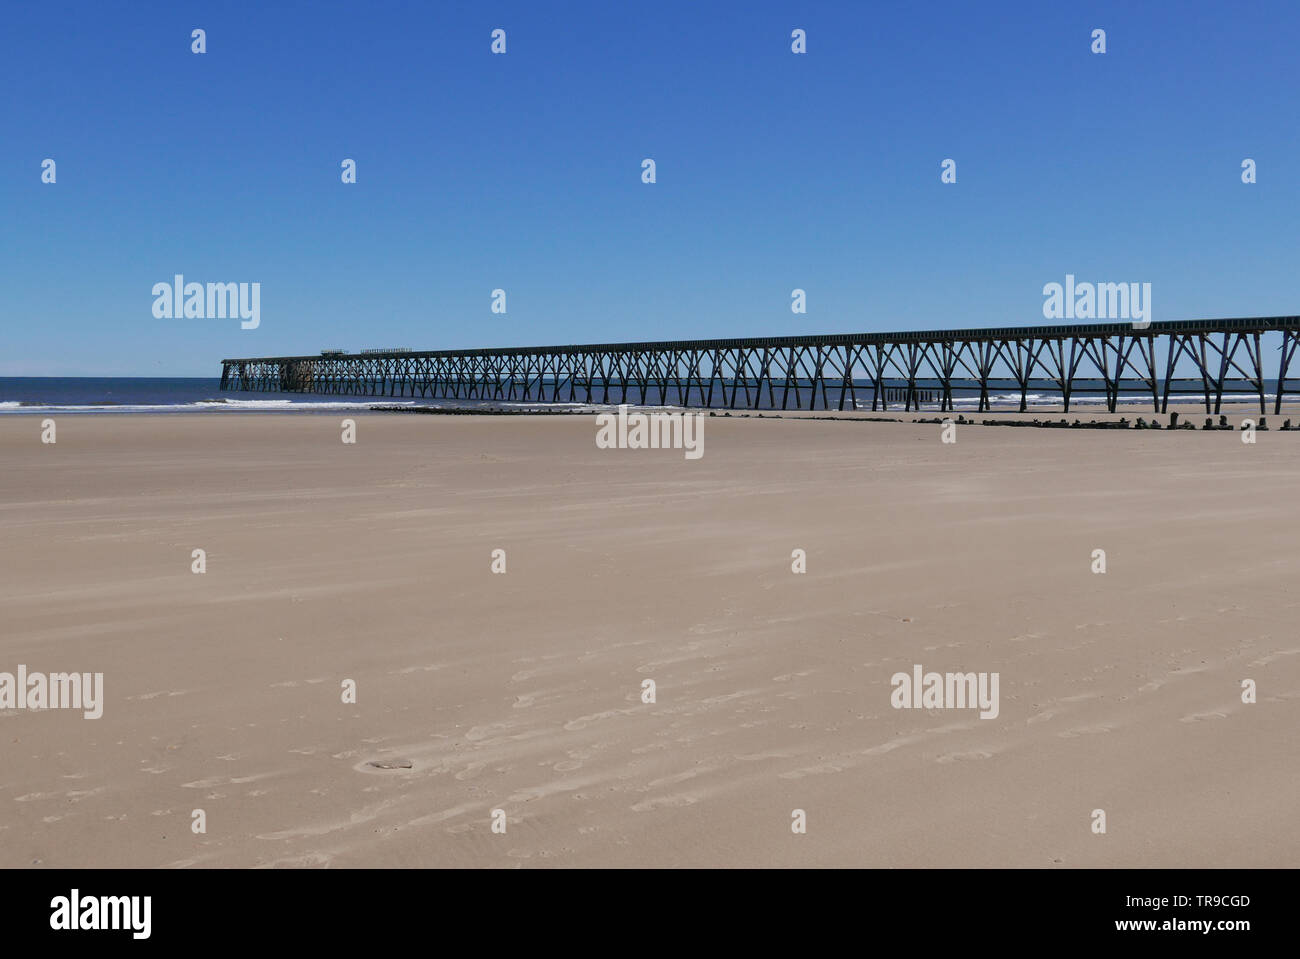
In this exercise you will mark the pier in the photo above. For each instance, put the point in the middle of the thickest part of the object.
(1103, 361)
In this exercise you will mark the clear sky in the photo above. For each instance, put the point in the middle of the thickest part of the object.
(522, 171)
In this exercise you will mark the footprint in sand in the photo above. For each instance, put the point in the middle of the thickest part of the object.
(523, 702)
(1201, 717)
(819, 770)
(1265, 660)
(477, 733)
(963, 757)
(414, 669)
(1084, 731)
(581, 722)
(681, 799)
(885, 748)
(786, 677)
(470, 771)
(681, 777)
(144, 697)
(649, 748)
(390, 763)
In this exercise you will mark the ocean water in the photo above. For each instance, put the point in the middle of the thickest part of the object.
(85, 394)
(203, 395)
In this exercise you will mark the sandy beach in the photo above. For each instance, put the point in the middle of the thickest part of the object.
(522, 691)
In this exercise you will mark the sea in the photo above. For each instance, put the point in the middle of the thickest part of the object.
(121, 395)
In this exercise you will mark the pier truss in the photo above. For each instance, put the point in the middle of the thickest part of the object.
(1183, 359)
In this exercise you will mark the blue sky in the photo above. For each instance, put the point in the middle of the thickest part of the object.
(523, 171)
